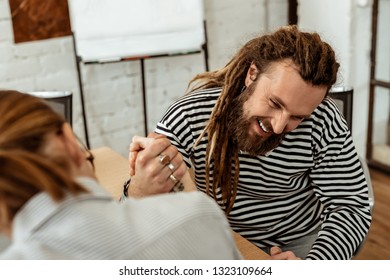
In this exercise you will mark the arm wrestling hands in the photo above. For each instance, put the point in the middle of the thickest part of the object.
(150, 174)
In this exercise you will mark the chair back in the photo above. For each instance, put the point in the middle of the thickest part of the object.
(61, 101)
(343, 96)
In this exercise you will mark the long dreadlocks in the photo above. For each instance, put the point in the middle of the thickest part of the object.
(316, 63)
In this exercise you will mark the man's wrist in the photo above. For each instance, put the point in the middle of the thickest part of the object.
(125, 192)
(179, 187)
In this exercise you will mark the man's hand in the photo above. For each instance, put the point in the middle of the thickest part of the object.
(278, 254)
(150, 174)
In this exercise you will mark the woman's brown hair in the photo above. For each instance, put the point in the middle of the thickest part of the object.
(25, 123)
(316, 64)
(24, 174)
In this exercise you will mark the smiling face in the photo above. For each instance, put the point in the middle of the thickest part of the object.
(274, 104)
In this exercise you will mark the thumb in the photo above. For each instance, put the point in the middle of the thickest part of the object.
(275, 250)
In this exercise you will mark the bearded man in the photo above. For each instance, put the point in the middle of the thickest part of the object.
(273, 150)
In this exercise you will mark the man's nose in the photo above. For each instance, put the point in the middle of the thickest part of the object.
(279, 124)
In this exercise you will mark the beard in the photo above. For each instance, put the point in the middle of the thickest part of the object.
(239, 128)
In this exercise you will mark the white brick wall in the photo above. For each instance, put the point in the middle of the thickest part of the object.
(113, 91)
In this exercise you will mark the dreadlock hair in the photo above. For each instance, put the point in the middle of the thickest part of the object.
(316, 63)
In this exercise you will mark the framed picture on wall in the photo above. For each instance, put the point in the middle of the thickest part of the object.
(37, 20)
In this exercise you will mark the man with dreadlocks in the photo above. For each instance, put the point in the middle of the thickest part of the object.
(274, 152)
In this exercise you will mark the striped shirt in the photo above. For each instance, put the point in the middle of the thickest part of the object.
(95, 226)
(313, 178)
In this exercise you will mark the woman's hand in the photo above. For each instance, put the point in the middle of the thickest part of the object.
(135, 147)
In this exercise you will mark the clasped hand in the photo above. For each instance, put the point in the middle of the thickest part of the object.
(156, 166)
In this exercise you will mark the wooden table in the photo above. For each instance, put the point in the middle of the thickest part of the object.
(112, 170)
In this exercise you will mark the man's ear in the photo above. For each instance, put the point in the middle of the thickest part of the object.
(71, 145)
(251, 75)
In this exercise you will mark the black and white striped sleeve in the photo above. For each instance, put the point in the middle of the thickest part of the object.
(339, 183)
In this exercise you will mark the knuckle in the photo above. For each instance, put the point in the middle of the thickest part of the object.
(290, 254)
(141, 159)
(163, 141)
(180, 171)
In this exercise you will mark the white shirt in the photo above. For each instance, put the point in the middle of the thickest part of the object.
(95, 226)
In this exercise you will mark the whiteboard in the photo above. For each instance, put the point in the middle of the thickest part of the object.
(110, 30)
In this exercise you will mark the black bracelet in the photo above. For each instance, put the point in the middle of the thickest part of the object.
(125, 189)
(179, 187)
